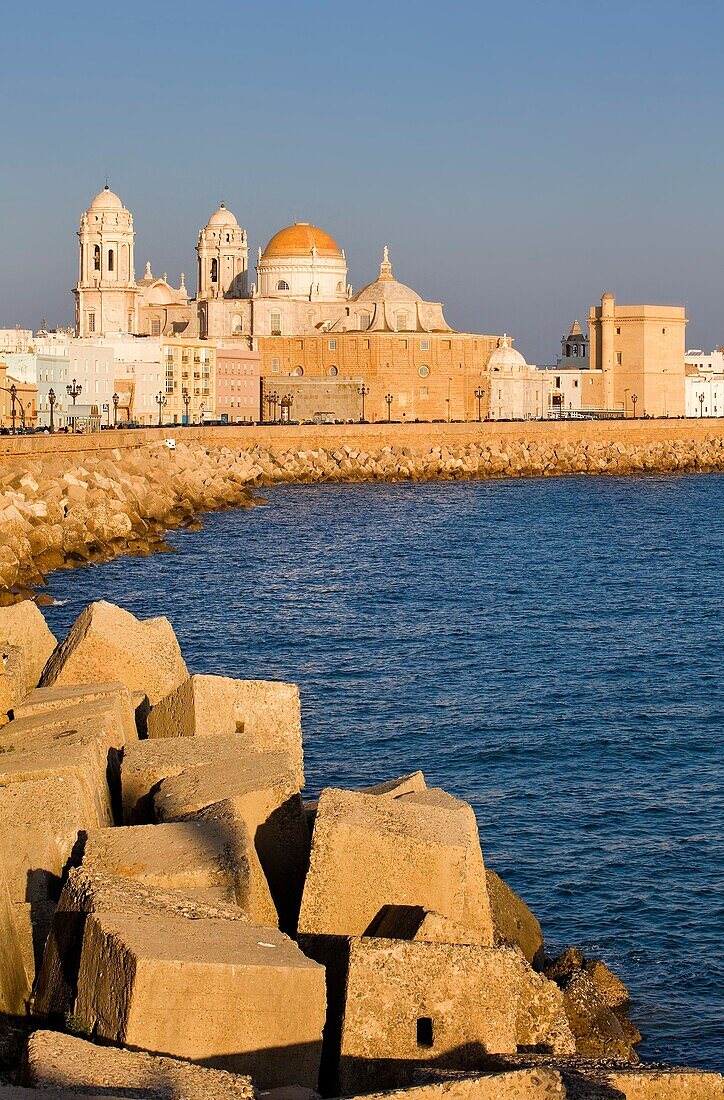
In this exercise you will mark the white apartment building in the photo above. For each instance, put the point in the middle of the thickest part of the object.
(704, 383)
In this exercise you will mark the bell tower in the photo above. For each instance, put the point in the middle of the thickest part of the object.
(223, 252)
(105, 297)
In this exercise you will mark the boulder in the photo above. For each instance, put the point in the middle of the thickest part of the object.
(55, 1061)
(264, 713)
(23, 625)
(261, 791)
(611, 988)
(513, 922)
(597, 1031)
(213, 859)
(235, 996)
(369, 853)
(107, 643)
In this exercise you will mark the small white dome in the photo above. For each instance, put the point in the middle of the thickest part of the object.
(222, 216)
(106, 200)
(505, 358)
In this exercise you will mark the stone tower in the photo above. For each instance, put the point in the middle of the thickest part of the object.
(223, 257)
(106, 294)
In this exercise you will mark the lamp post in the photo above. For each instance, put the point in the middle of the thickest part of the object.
(74, 390)
(160, 401)
(51, 401)
(186, 398)
(286, 406)
(388, 400)
(115, 399)
(701, 405)
(13, 391)
(272, 400)
(479, 394)
(363, 391)
(634, 399)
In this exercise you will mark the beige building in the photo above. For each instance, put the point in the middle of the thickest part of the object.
(640, 351)
(189, 368)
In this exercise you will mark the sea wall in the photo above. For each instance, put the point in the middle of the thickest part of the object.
(66, 500)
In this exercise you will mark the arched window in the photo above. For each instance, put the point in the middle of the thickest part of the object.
(236, 323)
(282, 285)
(214, 271)
(97, 258)
(340, 288)
(111, 259)
(333, 372)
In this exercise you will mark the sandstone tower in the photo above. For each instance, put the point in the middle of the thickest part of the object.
(106, 294)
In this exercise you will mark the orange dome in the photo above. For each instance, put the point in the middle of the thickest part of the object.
(299, 240)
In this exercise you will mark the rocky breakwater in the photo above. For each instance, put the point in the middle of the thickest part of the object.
(69, 509)
(175, 921)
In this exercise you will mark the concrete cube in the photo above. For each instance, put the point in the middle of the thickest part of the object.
(266, 714)
(520, 1084)
(23, 625)
(369, 853)
(235, 996)
(14, 983)
(212, 858)
(107, 643)
(87, 891)
(587, 1079)
(262, 792)
(55, 1061)
(13, 680)
(45, 701)
(396, 1007)
(146, 763)
(513, 922)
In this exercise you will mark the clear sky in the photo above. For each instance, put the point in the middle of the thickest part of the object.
(519, 158)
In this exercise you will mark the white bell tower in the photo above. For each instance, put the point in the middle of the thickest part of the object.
(223, 257)
(106, 294)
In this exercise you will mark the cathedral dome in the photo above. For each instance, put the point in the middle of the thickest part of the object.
(299, 240)
(387, 290)
(222, 216)
(506, 358)
(106, 200)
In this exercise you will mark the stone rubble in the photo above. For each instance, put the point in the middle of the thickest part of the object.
(176, 923)
(65, 509)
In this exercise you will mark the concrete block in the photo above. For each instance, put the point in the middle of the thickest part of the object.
(264, 713)
(368, 853)
(235, 996)
(521, 1084)
(596, 1028)
(147, 763)
(45, 701)
(213, 857)
(13, 680)
(513, 922)
(86, 891)
(107, 643)
(390, 788)
(262, 792)
(14, 983)
(23, 625)
(18, 1092)
(55, 1061)
(396, 1007)
(586, 1079)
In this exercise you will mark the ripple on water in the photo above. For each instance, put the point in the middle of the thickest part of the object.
(548, 650)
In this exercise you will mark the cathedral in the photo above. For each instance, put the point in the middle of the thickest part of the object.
(300, 313)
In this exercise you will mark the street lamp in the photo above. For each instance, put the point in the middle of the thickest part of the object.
(388, 399)
(272, 401)
(479, 394)
(115, 399)
(634, 399)
(363, 391)
(74, 390)
(51, 401)
(186, 398)
(13, 398)
(286, 405)
(701, 405)
(160, 401)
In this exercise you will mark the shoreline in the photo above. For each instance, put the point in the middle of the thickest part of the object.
(71, 500)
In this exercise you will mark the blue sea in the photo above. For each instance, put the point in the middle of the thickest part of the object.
(550, 650)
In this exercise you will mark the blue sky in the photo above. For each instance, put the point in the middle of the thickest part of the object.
(519, 158)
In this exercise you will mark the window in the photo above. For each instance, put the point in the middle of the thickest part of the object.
(276, 324)
(333, 372)
(155, 326)
(423, 391)
(423, 371)
(130, 320)
(363, 321)
(92, 321)
(214, 271)
(400, 322)
(575, 383)
(111, 259)
(663, 332)
(282, 285)
(558, 381)
(299, 371)
(97, 258)
(275, 366)
(236, 323)
(618, 331)
(424, 345)
(618, 358)
(332, 345)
